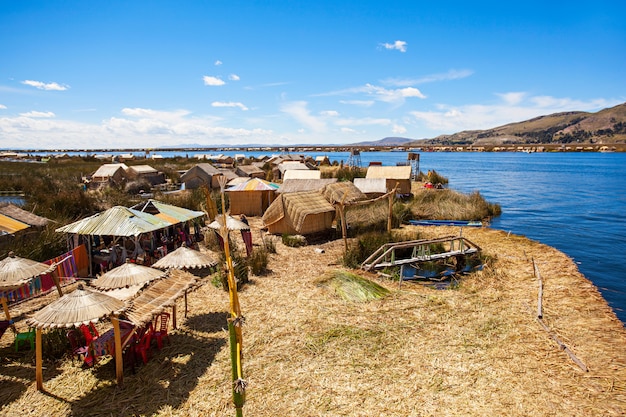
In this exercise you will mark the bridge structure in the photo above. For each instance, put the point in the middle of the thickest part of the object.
(416, 251)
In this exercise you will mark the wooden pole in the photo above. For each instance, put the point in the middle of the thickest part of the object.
(5, 307)
(57, 282)
(390, 215)
(344, 228)
(38, 360)
(540, 293)
(119, 357)
(174, 317)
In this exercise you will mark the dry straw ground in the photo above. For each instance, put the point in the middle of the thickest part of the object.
(474, 350)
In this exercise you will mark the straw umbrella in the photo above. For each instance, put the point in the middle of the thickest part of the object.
(234, 224)
(16, 272)
(79, 307)
(184, 258)
(127, 275)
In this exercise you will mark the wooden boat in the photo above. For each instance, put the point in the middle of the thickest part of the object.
(461, 223)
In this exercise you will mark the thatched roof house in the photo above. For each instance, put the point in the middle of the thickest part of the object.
(109, 173)
(199, 175)
(300, 185)
(146, 172)
(394, 175)
(299, 213)
(251, 171)
(251, 198)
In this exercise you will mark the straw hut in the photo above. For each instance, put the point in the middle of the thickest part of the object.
(299, 213)
(344, 192)
(109, 173)
(251, 171)
(371, 187)
(399, 176)
(229, 174)
(199, 175)
(147, 173)
(301, 185)
(251, 198)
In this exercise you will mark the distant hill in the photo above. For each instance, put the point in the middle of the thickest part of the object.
(607, 126)
(389, 141)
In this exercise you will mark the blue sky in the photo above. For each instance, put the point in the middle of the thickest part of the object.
(145, 74)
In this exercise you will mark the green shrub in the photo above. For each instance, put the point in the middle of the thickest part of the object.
(363, 247)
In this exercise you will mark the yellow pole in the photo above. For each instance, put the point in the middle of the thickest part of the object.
(5, 307)
(235, 321)
(38, 360)
(119, 358)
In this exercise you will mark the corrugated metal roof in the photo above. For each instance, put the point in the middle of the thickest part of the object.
(116, 221)
(255, 184)
(10, 225)
(168, 212)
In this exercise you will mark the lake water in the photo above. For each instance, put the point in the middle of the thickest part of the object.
(575, 202)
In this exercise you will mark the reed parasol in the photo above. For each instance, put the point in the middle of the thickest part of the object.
(185, 258)
(16, 272)
(127, 275)
(79, 307)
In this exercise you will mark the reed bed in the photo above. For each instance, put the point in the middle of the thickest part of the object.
(474, 350)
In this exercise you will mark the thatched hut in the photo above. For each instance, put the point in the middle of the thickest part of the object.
(299, 213)
(147, 173)
(251, 171)
(199, 175)
(109, 173)
(394, 175)
(251, 198)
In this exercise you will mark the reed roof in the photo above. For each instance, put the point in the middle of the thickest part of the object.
(300, 185)
(402, 172)
(160, 295)
(298, 206)
(14, 212)
(343, 192)
(11, 225)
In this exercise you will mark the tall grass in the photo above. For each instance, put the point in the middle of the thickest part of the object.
(452, 205)
(352, 287)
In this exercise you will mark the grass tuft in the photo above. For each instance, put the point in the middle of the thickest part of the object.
(352, 287)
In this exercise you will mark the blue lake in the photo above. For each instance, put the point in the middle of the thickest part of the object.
(575, 202)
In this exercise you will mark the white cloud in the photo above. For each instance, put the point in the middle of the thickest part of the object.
(347, 130)
(45, 86)
(398, 129)
(38, 114)
(362, 103)
(213, 81)
(229, 104)
(298, 111)
(512, 98)
(366, 121)
(377, 93)
(218, 63)
(141, 113)
(513, 107)
(329, 113)
(233, 77)
(397, 45)
(3, 107)
(446, 76)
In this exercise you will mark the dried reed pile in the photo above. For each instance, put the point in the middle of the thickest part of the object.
(474, 350)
